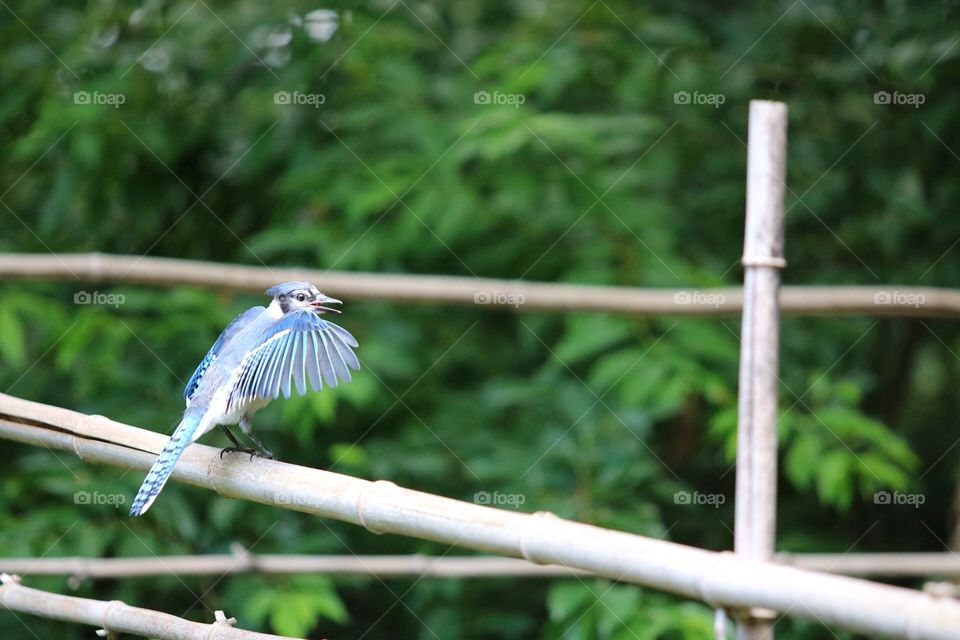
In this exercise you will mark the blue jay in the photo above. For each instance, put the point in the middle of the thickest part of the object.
(262, 353)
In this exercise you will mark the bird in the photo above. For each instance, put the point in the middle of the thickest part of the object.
(263, 352)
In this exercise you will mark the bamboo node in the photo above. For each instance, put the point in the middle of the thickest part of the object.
(243, 555)
(215, 460)
(95, 265)
(220, 620)
(85, 424)
(104, 630)
(941, 589)
(535, 520)
(422, 564)
(703, 586)
(773, 262)
(219, 617)
(362, 502)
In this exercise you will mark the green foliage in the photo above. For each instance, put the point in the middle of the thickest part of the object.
(294, 606)
(598, 609)
(599, 176)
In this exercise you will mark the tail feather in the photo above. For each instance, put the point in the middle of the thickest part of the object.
(163, 467)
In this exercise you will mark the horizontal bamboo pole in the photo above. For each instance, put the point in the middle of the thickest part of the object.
(906, 565)
(879, 300)
(421, 566)
(116, 617)
(719, 579)
(396, 566)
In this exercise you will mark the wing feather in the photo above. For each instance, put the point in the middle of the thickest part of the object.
(345, 335)
(300, 364)
(326, 362)
(298, 349)
(282, 357)
(339, 364)
(313, 359)
(289, 362)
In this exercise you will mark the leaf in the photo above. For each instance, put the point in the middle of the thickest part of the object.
(293, 615)
(587, 335)
(76, 340)
(800, 462)
(11, 338)
(834, 482)
(566, 598)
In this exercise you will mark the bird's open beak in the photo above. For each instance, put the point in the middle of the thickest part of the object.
(318, 305)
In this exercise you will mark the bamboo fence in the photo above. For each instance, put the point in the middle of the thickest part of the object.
(719, 579)
(748, 584)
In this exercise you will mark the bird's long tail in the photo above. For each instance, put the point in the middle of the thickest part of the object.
(163, 467)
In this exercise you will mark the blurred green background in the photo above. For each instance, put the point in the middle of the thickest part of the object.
(584, 165)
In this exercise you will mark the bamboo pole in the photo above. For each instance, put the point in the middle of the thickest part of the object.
(756, 491)
(915, 565)
(910, 565)
(719, 579)
(388, 566)
(97, 268)
(116, 617)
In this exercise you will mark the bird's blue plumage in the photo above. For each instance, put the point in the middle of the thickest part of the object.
(235, 325)
(263, 353)
(297, 349)
(163, 467)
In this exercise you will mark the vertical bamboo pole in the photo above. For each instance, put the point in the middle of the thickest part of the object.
(756, 499)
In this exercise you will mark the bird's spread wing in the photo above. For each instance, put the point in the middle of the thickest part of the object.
(299, 348)
(238, 323)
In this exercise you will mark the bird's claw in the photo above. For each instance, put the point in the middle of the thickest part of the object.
(252, 452)
(265, 454)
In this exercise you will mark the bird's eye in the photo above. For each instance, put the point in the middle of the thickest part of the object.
(301, 297)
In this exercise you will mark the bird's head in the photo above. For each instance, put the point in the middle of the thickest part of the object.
(292, 296)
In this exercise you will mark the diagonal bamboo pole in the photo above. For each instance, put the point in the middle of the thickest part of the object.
(720, 579)
(116, 617)
(487, 293)
(756, 501)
